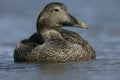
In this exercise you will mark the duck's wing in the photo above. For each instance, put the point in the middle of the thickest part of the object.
(73, 37)
(77, 39)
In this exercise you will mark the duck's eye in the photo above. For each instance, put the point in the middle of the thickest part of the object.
(56, 10)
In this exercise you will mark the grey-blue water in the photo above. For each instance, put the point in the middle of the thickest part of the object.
(18, 21)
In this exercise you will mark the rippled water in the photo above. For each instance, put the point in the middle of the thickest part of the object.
(18, 20)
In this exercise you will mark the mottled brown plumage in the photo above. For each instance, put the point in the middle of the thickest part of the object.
(51, 43)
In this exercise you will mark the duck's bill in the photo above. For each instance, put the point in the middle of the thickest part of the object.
(81, 24)
(72, 21)
(78, 23)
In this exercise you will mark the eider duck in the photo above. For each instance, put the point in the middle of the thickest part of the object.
(52, 44)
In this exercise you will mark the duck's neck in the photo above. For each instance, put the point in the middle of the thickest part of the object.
(48, 34)
(48, 30)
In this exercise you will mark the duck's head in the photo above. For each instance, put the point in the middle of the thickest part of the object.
(55, 15)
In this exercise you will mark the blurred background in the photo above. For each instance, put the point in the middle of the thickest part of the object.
(18, 22)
